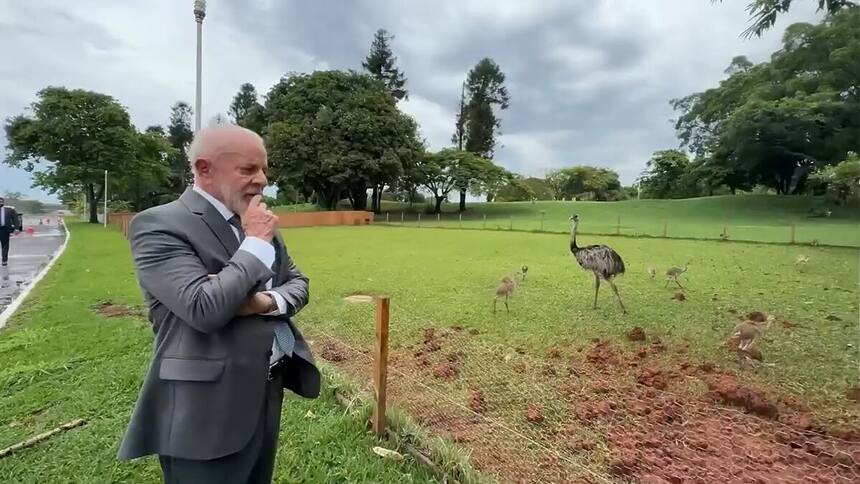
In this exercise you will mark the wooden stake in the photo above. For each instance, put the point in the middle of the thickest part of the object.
(461, 220)
(402, 215)
(665, 228)
(485, 221)
(618, 226)
(419, 219)
(792, 233)
(511, 222)
(542, 216)
(380, 365)
(39, 438)
(386, 217)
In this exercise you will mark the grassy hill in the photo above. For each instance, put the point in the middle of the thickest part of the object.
(764, 218)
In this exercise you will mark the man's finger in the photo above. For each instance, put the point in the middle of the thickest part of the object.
(263, 205)
(255, 200)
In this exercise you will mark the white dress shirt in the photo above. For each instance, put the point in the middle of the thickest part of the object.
(262, 250)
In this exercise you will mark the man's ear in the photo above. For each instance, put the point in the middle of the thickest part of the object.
(202, 166)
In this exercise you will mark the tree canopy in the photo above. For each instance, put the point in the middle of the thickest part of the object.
(773, 123)
(73, 136)
(338, 133)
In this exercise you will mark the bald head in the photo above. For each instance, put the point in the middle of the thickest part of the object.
(229, 162)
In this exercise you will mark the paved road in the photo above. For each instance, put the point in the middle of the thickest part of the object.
(28, 254)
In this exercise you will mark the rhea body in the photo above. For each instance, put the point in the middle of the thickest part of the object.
(601, 260)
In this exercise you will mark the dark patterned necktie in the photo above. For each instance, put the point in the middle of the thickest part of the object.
(284, 336)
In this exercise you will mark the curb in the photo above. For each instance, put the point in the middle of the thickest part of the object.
(11, 308)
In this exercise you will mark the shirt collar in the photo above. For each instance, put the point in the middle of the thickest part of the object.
(222, 209)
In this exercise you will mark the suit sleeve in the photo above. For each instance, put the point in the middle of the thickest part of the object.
(169, 269)
(295, 290)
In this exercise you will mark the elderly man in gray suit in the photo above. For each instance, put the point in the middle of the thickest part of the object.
(221, 291)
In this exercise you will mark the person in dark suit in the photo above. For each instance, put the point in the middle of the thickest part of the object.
(221, 290)
(10, 221)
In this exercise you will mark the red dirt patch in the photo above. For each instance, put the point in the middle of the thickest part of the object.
(602, 354)
(331, 352)
(534, 413)
(456, 356)
(446, 371)
(553, 352)
(657, 345)
(853, 393)
(679, 296)
(429, 335)
(653, 377)
(477, 402)
(727, 390)
(109, 309)
(636, 334)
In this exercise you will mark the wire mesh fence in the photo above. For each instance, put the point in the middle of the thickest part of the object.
(599, 411)
(832, 234)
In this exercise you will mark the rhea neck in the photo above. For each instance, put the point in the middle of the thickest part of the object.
(573, 246)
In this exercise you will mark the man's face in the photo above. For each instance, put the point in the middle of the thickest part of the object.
(239, 177)
(236, 171)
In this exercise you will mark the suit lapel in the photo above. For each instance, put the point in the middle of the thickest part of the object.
(278, 242)
(212, 218)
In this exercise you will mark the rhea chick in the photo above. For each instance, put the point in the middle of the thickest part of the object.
(652, 272)
(524, 271)
(506, 289)
(745, 337)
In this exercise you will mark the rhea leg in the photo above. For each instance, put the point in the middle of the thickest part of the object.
(596, 288)
(495, 300)
(615, 289)
(678, 283)
(507, 309)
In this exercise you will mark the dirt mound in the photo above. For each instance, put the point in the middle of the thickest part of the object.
(757, 316)
(456, 356)
(788, 324)
(636, 334)
(429, 335)
(446, 371)
(553, 352)
(679, 296)
(726, 389)
(602, 354)
(853, 393)
(657, 345)
(109, 309)
(653, 377)
(331, 352)
(534, 413)
(477, 402)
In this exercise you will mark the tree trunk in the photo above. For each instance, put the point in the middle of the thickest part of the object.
(438, 203)
(374, 204)
(358, 197)
(92, 202)
(462, 200)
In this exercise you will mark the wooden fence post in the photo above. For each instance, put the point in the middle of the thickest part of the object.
(419, 219)
(380, 365)
(618, 226)
(542, 216)
(485, 222)
(386, 217)
(665, 228)
(792, 233)
(402, 216)
(511, 222)
(461, 220)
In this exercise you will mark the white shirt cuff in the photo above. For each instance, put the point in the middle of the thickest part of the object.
(279, 300)
(260, 249)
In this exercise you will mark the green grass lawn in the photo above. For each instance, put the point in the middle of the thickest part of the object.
(444, 278)
(764, 218)
(60, 361)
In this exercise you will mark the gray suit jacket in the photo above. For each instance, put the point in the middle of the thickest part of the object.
(203, 393)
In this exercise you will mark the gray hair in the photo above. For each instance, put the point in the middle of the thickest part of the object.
(200, 137)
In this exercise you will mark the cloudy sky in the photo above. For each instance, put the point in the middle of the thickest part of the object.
(590, 80)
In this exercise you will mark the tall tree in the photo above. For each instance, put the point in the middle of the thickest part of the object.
(246, 110)
(145, 184)
(338, 133)
(380, 63)
(774, 122)
(485, 88)
(459, 136)
(80, 134)
(763, 13)
(180, 135)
